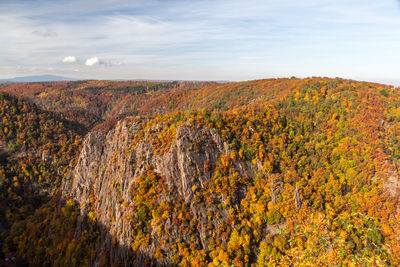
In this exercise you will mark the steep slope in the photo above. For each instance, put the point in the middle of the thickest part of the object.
(296, 180)
(269, 172)
(109, 166)
(36, 149)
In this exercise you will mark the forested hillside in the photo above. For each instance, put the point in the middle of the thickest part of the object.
(38, 148)
(94, 102)
(258, 173)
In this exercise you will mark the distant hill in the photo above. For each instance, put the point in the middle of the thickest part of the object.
(36, 78)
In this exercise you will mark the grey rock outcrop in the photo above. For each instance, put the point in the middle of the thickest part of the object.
(109, 164)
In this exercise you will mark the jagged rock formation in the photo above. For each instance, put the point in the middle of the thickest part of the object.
(108, 166)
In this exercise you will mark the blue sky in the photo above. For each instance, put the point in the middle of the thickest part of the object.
(201, 40)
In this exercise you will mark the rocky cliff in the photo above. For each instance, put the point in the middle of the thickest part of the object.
(102, 182)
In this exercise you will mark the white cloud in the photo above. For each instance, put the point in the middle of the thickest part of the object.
(92, 61)
(69, 59)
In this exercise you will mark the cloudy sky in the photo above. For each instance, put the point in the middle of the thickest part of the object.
(201, 39)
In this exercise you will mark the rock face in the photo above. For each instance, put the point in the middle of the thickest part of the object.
(109, 164)
(392, 182)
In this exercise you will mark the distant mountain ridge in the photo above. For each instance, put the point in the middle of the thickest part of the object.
(36, 78)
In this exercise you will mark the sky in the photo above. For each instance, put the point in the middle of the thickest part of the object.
(201, 39)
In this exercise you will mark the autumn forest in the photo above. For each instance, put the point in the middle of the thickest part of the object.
(275, 172)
